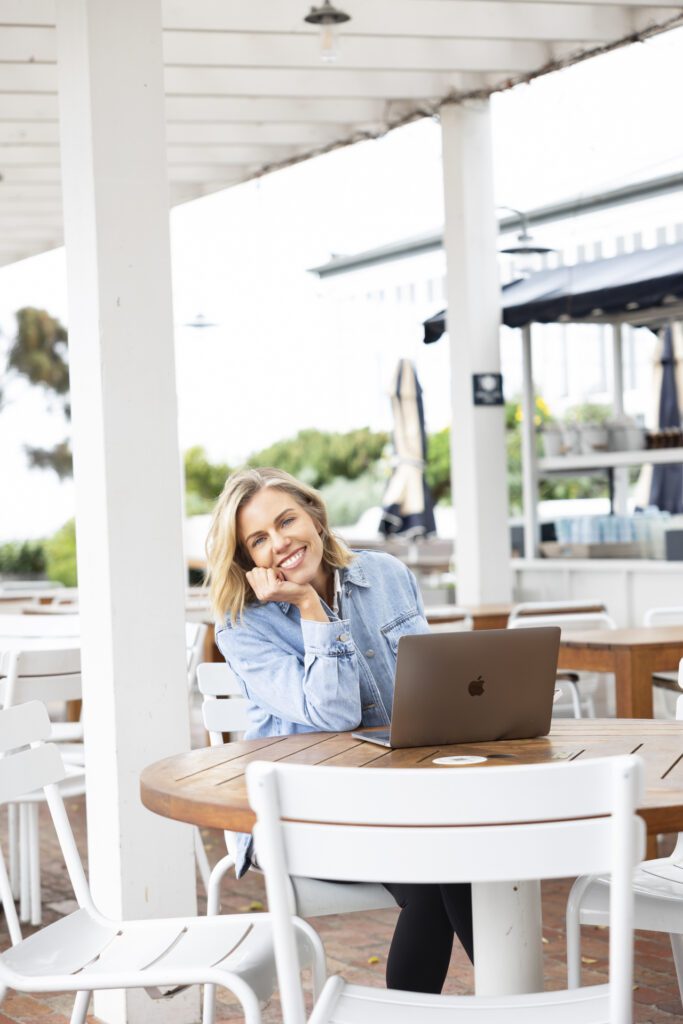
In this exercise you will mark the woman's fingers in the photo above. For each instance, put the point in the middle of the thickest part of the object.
(265, 583)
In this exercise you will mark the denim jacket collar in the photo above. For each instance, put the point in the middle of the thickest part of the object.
(353, 573)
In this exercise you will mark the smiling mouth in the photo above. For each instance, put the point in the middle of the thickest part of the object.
(293, 560)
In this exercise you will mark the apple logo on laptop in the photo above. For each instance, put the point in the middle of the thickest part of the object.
(476, 687)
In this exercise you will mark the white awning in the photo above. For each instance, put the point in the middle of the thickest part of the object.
(247, 93)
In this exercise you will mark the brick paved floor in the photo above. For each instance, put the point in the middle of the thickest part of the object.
(356, 945)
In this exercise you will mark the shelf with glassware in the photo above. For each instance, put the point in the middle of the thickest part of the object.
(609, 460)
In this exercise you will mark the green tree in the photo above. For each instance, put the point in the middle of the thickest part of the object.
(438, 471)
(39, 353)
(317, 456)
(203, 480)
(60, 553)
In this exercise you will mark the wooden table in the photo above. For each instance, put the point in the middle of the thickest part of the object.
(492, 616)
(206, 787)
(631, 654)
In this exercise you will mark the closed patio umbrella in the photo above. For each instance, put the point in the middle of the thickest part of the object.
(408, 506)
(666, 489)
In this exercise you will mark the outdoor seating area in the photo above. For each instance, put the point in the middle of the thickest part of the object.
(341, 639)
(40, 658)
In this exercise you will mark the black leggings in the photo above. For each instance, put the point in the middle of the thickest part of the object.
(420, 950)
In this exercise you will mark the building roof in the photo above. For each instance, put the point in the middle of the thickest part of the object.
(246, 92)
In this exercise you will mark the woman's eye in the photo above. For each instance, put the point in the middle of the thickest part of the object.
(259, 540)
(286, 522)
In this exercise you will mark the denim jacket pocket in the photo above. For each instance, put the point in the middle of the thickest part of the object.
(409, 621)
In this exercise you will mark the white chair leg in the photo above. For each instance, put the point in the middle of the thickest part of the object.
(209, 1006)
(202, 860)
(34, 864)
(13, 848)
(576, 699)
(573, 931)
(24, 870)
(677, 950)
(80, 1010)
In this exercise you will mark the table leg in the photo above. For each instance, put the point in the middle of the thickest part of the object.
(633, 677)
(508, 954)
(73, 710)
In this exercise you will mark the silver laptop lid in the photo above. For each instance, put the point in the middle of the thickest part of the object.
(477, 686)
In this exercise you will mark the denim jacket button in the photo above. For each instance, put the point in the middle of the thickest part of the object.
(370, 653)
(343, 638)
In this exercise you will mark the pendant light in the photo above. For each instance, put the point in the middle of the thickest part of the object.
(327, 18)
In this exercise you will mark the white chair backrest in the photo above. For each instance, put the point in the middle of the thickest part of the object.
(224, 708)
(40, 625)
(37, 586)
(195, 632)
(35, 670)
(552, 821)
(671, 616)
(570, 607)
(28, 763)
(448, 619)
(574, 622)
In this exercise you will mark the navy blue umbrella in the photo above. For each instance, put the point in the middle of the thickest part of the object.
(666, 490)
(408, 507)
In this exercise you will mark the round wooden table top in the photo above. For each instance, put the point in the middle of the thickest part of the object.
(206, 787)
(639, 636)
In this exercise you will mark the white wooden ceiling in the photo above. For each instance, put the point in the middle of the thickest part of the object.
(246, 91)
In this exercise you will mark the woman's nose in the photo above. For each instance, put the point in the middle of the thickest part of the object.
(279, 541)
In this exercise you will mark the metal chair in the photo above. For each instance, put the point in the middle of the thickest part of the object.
(483, 825)
(658, 891)
(448, 619)
(568, 615)
(85, 951)
(666, 691)
(48, 670)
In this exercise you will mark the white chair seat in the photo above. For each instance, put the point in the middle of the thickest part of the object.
(317, 898)
(658, 889)
(97, 950)
(353, 1004)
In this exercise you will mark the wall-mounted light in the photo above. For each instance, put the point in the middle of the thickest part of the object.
(328, 19)
(524, 249)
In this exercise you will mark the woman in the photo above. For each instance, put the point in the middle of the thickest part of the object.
(311, 630)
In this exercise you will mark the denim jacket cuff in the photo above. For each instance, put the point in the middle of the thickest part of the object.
(327, 639)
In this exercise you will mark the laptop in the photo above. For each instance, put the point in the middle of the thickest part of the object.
(471, 687)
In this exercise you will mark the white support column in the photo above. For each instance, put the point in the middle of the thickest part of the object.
(529, 461)
(129, 527)
(620, 474)
(479, 472)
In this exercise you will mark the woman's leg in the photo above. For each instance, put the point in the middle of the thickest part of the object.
(420, 950)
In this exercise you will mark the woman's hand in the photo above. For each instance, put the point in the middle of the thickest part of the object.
(271, 585)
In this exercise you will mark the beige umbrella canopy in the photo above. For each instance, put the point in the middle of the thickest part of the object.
(408, 506)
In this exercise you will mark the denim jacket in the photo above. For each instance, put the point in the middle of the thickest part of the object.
(306, 676)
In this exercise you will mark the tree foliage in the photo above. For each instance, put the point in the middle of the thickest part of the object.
(60, 552)
(318, 457)
(39, 353)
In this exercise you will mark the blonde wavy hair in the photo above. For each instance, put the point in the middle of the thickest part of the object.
(227, 559)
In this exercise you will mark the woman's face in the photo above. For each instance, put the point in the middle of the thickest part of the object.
(278, 533)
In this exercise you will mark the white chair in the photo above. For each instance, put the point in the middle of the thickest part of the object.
(195, 633)
(568, 615)
(49, 671)
(85, 951)
(665, 684)
(471, 824)
(225, 711)
(658, 889)
(40, 625)
(448, 619)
